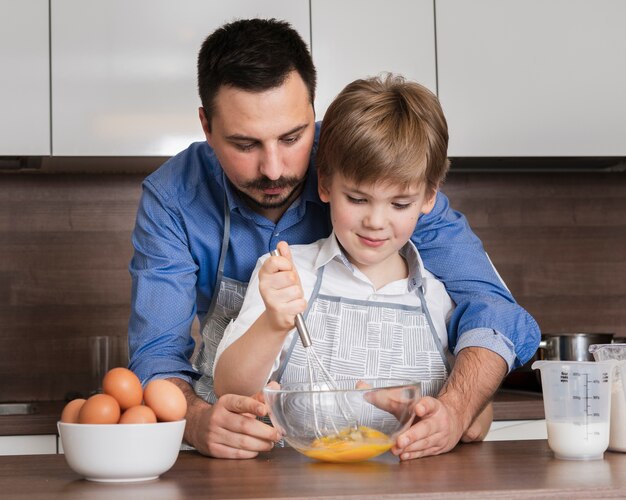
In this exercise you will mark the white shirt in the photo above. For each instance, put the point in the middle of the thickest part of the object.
(344, 280)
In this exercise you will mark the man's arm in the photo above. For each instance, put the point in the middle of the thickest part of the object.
(160, 342)
(486, 315)
(475, 378)
(163, 295)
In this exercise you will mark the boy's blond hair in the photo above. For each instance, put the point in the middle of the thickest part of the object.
(385, 129)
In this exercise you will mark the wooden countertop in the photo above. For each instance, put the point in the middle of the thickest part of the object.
(509, 404)
(497, 469)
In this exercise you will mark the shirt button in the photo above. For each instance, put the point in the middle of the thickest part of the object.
(276, 234)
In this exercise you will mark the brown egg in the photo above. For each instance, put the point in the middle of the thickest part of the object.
(99, 409)
(140, 414)
(69, 414)
(166, 399)
(124, 386)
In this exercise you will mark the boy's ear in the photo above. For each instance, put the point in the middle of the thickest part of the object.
(429, 202)
(322, 188)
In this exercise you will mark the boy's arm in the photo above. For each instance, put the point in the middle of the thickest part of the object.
(246, 354)
(244, 366)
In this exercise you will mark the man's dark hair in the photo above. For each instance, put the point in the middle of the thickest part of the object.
(253, 55)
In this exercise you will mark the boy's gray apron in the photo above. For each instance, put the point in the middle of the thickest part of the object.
(225, 306)
(367, 339)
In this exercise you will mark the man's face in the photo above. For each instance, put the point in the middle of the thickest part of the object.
(263, 141)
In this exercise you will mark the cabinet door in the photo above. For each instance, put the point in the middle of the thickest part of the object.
(124, 73)
(358, 38)
(533, 78)
(25, 80)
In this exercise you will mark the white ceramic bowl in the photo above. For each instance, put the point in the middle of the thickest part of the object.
(121, 452)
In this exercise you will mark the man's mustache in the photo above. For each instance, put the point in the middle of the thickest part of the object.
(263, 183)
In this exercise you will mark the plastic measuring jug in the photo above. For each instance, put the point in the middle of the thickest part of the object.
(617, 434)
(577, 402)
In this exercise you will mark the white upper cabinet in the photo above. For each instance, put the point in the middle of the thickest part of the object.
(533, 77)
(358, 38)
(25, 78)
(124, 73)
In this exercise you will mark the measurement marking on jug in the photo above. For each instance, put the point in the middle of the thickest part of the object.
(586, 420)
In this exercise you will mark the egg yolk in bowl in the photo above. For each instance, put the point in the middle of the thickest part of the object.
(349, 445)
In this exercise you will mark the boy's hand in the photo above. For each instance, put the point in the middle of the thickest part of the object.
(281, 290)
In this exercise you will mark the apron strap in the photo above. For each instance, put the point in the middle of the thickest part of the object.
(433, 331)
(220, 265)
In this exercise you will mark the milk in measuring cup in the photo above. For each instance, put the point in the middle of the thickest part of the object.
(577, 401)
(568, 439)
(617, 434)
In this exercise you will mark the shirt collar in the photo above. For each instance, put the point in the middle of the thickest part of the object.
(411, 255)
(332, 250)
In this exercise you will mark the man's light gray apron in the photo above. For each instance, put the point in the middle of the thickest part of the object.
(367, 339)
(225, 306)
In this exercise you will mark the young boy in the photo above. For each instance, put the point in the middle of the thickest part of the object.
(371, 308)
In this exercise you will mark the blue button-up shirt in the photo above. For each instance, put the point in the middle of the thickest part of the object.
(178, 237)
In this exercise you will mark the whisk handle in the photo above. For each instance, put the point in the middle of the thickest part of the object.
(303, 331)
(305, 338)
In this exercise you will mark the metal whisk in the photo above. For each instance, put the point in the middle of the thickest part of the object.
(319, 377)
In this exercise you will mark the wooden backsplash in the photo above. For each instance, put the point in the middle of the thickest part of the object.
(558, 241)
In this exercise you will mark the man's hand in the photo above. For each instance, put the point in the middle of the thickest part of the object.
(436, 431)
(229, 428)
(442, 422)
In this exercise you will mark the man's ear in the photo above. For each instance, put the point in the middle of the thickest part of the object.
(322, 188)
(206, 128)
(431, 199)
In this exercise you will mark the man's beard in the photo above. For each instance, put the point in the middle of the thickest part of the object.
(269, 201)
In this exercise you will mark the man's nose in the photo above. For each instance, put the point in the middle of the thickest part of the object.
(270, 165)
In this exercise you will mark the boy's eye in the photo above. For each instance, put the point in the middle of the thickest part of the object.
(352, 199)
(402, 206)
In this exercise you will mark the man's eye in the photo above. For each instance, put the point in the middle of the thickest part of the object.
(352, 199)
(244, 147)
(291, 140)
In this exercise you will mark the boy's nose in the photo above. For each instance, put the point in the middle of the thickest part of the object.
(375, 218)
(270, 165)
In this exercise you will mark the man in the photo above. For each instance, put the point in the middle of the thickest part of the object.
(208, 213)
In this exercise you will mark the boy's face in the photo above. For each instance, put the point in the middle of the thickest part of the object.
(263, 141)
(374, 221)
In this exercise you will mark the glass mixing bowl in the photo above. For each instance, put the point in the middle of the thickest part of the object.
(358, 421)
